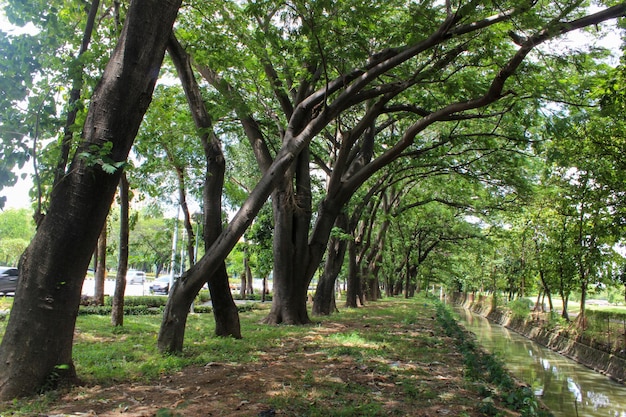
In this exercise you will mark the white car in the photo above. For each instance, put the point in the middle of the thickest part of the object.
(135, 277)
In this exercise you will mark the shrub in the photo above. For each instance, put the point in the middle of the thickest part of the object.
(203, 296)
(520, 307)
(139, 300)
(129, 310)
(253, 297)
(555, 321)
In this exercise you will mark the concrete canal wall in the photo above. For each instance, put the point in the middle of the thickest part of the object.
(576, 348)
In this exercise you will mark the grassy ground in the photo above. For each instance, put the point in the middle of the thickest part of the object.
(391, 358)
(573, 307)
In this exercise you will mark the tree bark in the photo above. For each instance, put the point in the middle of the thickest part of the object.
(247, 279)
(324, 303)
(117, 311)
(101, 268)
(353, 292)
(182, 198)
(292, 215)
(54, 264)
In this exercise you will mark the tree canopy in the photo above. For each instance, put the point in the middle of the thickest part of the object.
(422, 142)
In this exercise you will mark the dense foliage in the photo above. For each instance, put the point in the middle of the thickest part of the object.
(402, 147)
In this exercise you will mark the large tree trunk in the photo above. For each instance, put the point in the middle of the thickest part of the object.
(373, 284)
(182, 294)
(324, 302)
(292, 215)
(172, 332)
(225, 310)
(37, 344)
(353, 292)
(289, 296)
(117, 312)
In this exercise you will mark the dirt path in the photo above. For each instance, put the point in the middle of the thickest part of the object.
(306, 376)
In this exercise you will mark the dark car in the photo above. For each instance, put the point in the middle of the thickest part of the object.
(161, 285)
(8, 279)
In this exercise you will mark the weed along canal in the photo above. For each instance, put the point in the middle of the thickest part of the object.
(566, 387)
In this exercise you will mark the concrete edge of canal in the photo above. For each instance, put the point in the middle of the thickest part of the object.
(598, 360)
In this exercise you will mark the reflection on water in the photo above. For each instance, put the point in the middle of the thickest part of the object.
(566, 387)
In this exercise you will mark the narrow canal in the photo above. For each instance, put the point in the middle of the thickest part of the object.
(567, 388)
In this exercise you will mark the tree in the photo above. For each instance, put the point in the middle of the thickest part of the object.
(589, 227)
(348, 177)
(360, 92)
(48, 293)
(101, 268)
(117, 310)
(150, 243)
(312, 110)
(582, 149)
(184, 291)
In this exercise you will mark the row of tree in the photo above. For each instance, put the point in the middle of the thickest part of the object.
(351, 117)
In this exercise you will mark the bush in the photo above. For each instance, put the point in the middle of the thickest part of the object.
(555, 321)
(137, 310)
(149, 307)
(139, 300)
(520, 307)
(203, 296)
(253, 297)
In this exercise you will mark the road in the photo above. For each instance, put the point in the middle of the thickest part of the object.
(109, 287)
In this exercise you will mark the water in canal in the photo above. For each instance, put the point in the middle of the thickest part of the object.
(567, 388)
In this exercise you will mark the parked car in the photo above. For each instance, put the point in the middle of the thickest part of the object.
(161, 285)
(135, 277)
(8, 279)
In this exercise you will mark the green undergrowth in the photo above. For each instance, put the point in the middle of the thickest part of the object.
(148, 309)
(360, 361)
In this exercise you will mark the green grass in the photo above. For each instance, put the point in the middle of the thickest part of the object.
(104, 354)
(389, 347)
(6, 303)
(609, 309)
(487, 368)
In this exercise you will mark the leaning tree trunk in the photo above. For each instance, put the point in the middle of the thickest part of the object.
(172, 332)
(37, 344)
(117, 311)
(324, 302)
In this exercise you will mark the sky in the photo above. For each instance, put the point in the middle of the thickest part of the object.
(17, 196)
